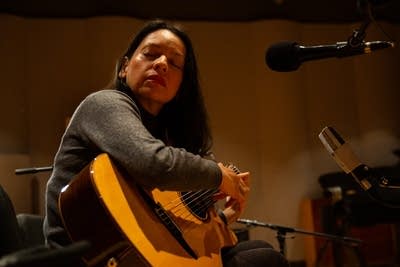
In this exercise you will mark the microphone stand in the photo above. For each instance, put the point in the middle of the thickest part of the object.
(357, 38)
(33, 170)
(283, 230)
(34, 184)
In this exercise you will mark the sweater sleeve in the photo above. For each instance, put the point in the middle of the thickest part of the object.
(109, 121)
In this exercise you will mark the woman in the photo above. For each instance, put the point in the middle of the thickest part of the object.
(154, 125)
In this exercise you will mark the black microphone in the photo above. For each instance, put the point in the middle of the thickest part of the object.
(288, 56)
(378, 187)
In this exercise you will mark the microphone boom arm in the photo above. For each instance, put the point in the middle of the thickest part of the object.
(283, 230)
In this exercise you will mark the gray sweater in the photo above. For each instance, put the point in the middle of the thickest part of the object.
(110, 121)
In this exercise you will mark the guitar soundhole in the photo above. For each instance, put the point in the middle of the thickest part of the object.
(198, 203)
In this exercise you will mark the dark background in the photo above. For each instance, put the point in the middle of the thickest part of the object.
(326, 11)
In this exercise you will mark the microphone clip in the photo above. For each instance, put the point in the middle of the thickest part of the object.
(358, 36)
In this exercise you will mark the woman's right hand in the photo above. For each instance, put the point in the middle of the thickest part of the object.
(234, 185)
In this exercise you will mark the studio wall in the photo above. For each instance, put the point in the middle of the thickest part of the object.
(263, 121)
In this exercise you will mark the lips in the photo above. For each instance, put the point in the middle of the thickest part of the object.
(157, 79)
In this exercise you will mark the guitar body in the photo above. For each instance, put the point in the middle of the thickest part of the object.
(126, 227)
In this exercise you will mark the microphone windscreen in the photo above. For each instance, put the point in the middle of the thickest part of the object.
(283, 56)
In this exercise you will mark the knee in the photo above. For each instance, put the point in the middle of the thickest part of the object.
(274, 258)
(254, 253)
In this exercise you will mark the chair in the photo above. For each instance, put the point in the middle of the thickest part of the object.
(22, 241)
(31, 229)
(10, 235)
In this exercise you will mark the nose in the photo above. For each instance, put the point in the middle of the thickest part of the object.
(161, 64)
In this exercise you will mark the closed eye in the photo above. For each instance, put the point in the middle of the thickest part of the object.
(151, 55)
(176, 65)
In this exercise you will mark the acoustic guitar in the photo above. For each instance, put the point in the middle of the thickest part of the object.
(130, 226)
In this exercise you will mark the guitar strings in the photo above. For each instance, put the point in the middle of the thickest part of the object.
(206, 197)
(205, 194)
(186, 226)
(206, 203)
(182, 205)
(190, 193)
(178, 201)
(229, 165)
(210, 201)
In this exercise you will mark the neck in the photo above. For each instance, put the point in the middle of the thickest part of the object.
(150, 106)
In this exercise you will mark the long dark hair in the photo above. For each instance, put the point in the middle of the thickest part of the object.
(184, 117)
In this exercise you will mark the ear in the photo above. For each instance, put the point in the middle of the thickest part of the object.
(123, 69)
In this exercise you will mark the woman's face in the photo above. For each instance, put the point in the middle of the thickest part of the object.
(155, 70)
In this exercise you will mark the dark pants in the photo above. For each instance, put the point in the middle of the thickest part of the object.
(253, 253)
